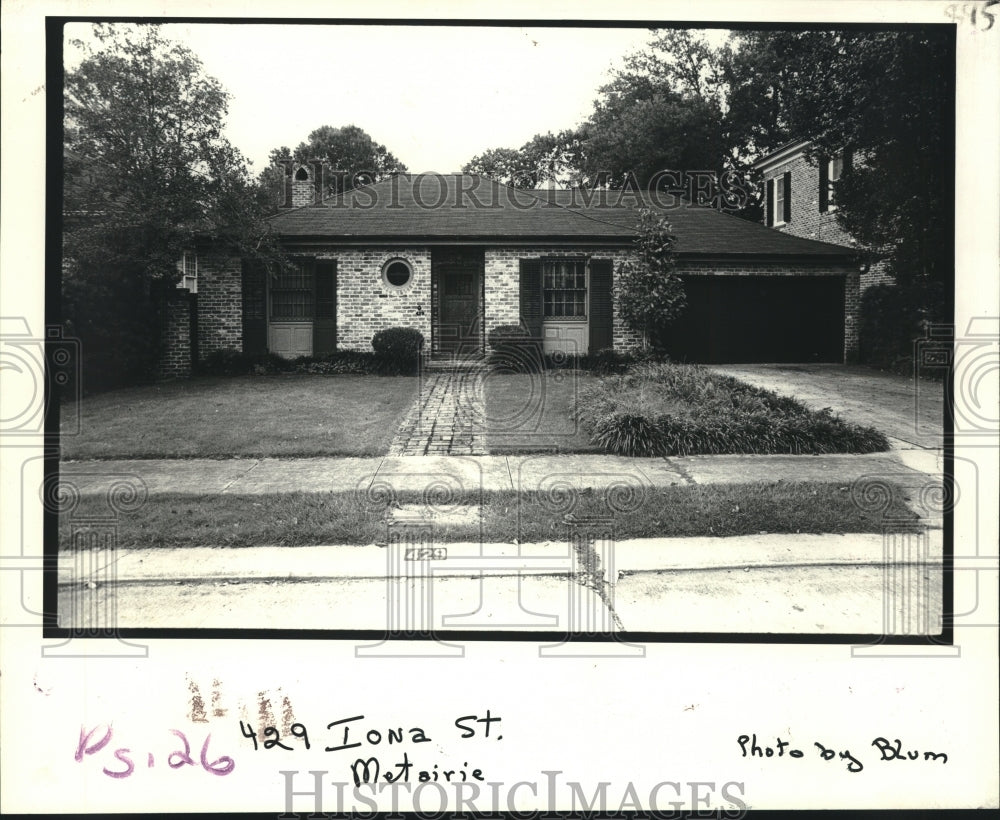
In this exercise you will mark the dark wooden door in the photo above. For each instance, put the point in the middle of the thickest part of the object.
(459, 322)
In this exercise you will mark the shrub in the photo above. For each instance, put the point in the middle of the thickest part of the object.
(650, 295)
(670, 410)
(513, 349)
(229, 362)
(399, 345)
(892, 319)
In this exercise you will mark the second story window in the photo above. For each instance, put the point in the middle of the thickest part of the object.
(779, 199)
(830, 171)
(189, 271)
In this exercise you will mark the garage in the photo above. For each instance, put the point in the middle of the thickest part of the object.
(786, 319)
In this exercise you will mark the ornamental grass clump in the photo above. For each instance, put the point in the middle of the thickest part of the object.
(676, 410)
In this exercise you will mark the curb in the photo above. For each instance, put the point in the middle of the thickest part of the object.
(369, 563)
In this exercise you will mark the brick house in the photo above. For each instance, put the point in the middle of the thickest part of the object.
(800, 199)
(457, 255)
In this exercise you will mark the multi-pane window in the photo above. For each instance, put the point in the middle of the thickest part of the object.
(564, 288)
(779, 199)
(189, 271)
(292, 294)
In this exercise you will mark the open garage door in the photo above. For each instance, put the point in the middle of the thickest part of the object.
(731, 319)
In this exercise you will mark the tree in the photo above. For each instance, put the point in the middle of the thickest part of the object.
(146, 173)
(349, 154)
(660, 111)
(888, 97)
(650, 295)
(545, 159)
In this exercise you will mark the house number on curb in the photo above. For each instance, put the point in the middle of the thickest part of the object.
(425, 554)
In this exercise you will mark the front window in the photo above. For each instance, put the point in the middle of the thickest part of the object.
(564, 283)
(292, 294)
(779, 200)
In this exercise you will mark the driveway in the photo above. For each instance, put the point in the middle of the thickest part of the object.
(910, 413)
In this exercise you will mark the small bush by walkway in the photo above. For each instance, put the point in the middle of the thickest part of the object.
(678, 410)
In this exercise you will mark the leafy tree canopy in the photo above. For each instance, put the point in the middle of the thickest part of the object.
(146, 165)
(545, 159)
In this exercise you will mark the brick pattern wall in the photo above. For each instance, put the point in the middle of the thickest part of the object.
(302, 192)
(366, 304)
(852, 292)
(220, 303)
(175, 330)
(807, 221)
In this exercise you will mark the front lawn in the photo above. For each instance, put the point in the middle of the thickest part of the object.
(254, 416)
(299, 519)
(679, 410)
(535, 412)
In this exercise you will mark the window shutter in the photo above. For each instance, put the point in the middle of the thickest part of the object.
(788, 196)
(325, 301)
(531, 296)
(824, 184)
(254, 287)
(848, 161)
(769, 204)
(601, 311)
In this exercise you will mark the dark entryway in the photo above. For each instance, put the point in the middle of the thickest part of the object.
(733, 319)
(457, 317)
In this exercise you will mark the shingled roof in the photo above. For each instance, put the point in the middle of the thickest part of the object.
(453, 207)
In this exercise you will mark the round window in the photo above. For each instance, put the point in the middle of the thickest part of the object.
(397, 273)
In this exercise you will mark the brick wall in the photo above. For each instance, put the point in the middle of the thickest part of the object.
(366, 304)
(175, 335)
(220, 302)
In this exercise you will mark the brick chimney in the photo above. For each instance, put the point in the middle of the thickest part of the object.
(302, 186)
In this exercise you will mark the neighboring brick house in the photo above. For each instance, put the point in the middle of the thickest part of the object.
(800, 199)
(457, 255)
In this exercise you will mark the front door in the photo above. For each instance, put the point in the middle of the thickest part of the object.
(459, 322)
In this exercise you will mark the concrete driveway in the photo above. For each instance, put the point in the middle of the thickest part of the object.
(909, 412)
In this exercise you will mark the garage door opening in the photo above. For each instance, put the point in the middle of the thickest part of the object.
(738, 319)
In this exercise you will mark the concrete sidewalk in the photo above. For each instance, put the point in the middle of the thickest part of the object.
(528, 472)
(807, 584)
(553, 474)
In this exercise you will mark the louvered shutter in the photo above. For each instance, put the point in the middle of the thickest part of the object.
(601, 312)
(531, 296)
(325, 301)
(788, 196)
(254, 286)
(824, 184)
(769, 203)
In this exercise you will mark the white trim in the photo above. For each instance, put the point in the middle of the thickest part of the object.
(407, 285)
(778, 214)
(781, 155)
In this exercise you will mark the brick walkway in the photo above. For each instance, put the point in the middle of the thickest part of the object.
(445, 419)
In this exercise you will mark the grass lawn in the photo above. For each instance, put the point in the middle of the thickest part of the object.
(536, 412)
(178, 520)
(294, 415)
